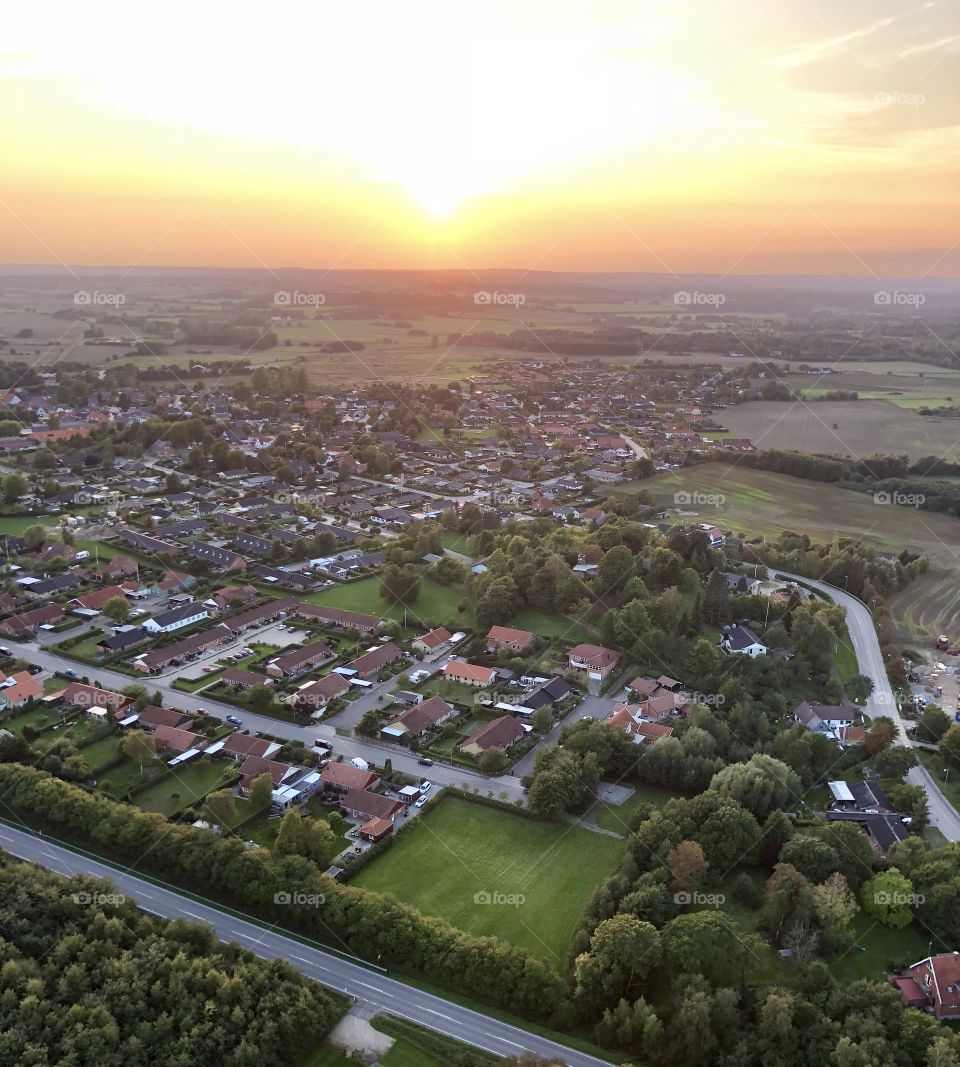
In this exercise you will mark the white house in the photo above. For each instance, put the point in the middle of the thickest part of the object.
(176, 618)
(743, 641)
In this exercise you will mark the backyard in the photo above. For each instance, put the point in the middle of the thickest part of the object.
(188, 784)
(490, 872)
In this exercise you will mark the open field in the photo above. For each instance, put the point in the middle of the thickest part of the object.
(859, 428)
(436, 602)
(188, 784)
(465, 854)
(761, 502)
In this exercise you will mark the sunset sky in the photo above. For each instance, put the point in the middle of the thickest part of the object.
(740, 136)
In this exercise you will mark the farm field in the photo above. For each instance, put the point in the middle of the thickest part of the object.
(464, 850)
(761, 502)
(857, 428)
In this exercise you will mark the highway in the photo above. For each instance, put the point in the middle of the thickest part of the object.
(374, 987)
(882, 700)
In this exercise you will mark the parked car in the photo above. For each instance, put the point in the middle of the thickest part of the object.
(69, 672)
(6, 651)
(201, 711)
(425, 762)
(233, 719)
(419, 803)
(426, 786)
(208, 669)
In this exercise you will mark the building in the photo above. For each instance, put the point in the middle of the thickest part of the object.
(550, 692)
(318, 693)
(220, 559)
(458, 670)
(341, 777)
(81, 695)
(375, 830)
(933, 983)
(741, 640)
(153, 716)
(506, 639)
(418, 720)
(299, 660)
(372, 662)
(242, 746)
(596, 660)
(95, 601)
(351, 620)
(176, 741)
(432, 642)
(188, 648)
(176, 619)
(17, 689)
(362, 804)
(239, 679)
(835, 721)
(26, 623)
(640, 729)
(501, 733)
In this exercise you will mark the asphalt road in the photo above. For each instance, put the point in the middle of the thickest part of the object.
(373, 987)
(882, 701)
(440, 774)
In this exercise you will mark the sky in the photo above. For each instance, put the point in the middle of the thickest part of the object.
(727, 136)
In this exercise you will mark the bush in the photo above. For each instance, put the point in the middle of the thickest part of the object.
(745, 891)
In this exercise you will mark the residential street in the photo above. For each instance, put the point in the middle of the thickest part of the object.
(373, 987)
(882, 701)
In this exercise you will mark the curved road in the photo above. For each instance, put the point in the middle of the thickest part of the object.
(373, 987)
(882, 700)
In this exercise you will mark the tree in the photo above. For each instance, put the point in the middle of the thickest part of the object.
(687, 866)
(787, 899)
(138, 746)
(933, 724)
(34, 537)
(760, 785)
(615, 568)
(173, 483)
(859, 688)
(542, 720)
(400, 584)
(261, 790)
(493, 761)
(950, 746)
(888, 897)
(834, 906)
(880, 735)
(703, 942)
(220, 807)
(622, 949)
(14, 486)
(260, 697)
(44, 460)
(369, 724)
(117, 609)
(812, 857)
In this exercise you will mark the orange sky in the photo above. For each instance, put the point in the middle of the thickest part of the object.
(736, 136)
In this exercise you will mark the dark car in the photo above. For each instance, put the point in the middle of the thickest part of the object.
(425, 762)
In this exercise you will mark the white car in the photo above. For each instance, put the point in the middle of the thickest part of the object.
(419, 803)
(426, 786)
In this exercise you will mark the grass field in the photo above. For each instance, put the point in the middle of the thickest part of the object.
(463, 851)
(436, 603)
(882, 946)
(189, 784)
(858, 428)
(760, 502)
(616, 817)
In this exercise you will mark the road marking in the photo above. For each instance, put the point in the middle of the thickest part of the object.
(440, 1013)
(377, 989)
(505, 1041)
(199, 918)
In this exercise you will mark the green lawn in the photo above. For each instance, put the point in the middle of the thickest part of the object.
(616, 817)
(118, 781)
(101, 753)
(436, 603)
(882, 946)
(188, 784)
(845, 660)
(40, 717)
(552, 626)
(460, 850)
(454, 692)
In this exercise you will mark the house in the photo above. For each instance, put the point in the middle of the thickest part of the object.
(937, 978)
(459, 670)
(17, 689)
(501, 733)
(176, 619)
(362, 804)
(148, 545)
(220, 559)
(643, 687)
(188, 648)
(433, 641)
(94, 602)
(242, 746)
(372, 662)
(352, 620)
(253, 766)
(153, 716)
(741, 640)
(831, 720)
(640, 729)
(122, 639)
(714, 534)
(375, 830)
(299, 660)
(176, 741)
(26, 623)
(263, 613)
(550, 692)
(344, 776)
(81, 695)
(318, 693)
(238, 679)
(231, 596)
(596, 660)
(416, 721)
(506, 639)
